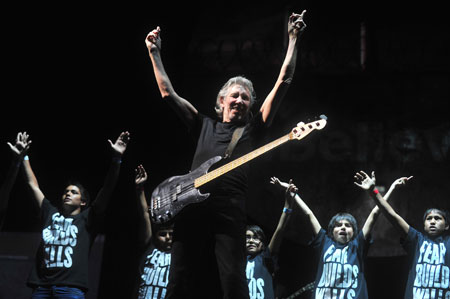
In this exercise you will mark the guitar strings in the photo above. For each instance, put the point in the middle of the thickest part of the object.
(166, 200)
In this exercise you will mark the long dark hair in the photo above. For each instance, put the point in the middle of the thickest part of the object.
(258, 232)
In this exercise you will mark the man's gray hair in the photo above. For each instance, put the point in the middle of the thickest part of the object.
(238, 80)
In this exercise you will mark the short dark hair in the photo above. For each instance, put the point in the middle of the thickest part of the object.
(342, 216)
(85, 197)
(156, 227)
(442, 212)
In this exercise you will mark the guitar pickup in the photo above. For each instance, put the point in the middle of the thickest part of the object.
(177, 191)
(174, 197)
(156, 203)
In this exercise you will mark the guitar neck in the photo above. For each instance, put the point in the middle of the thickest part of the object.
(240, 161)
(307, 287)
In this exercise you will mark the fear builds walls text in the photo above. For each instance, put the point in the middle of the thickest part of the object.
(59, 240)
(432, 275)
(339, 279)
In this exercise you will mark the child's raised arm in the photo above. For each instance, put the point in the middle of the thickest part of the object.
(292, 191)
(367, 183)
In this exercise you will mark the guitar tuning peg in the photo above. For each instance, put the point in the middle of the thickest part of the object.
(300, 124)
(323, 116)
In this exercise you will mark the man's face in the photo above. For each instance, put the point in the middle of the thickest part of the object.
(343, 231)
(164, 239)
(435, 224)
(72, 197)
(235, 104)
(253, 244)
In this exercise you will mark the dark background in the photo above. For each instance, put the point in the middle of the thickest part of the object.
(76, 75)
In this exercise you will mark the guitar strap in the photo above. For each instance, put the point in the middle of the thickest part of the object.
(234, 139)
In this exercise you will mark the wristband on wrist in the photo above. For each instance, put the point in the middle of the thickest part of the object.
(287, 210)
(26, 158)
(375, 191)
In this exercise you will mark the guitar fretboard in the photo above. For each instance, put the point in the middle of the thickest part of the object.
(308, 287)
(241, 160)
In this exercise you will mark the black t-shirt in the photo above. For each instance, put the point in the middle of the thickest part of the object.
(213, 140)
(429, 272)
(63, 255)
(153, 273)
(340, 273)
(259, 275)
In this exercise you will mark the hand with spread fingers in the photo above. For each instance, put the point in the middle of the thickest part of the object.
(364, 181)
(141, 176)
(121, 143)
(21, 145)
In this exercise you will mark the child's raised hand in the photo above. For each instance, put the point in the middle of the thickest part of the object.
(401, 181)
(363, 180)
(276, 181)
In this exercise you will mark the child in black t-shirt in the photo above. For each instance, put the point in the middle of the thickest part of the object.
(155, 244)
(69, 228)
(262, 258)
(429, 259)
(341, 248)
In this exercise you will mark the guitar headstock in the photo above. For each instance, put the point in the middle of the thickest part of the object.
(302, 129)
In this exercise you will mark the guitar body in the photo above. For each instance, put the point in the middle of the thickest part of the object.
(175, 193)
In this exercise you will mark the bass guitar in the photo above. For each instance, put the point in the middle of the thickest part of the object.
(175, 193)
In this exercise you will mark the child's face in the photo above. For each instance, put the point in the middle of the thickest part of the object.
(343, 232)
(434, 224)
(164, 239)
(253, 243)
(72, 197)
